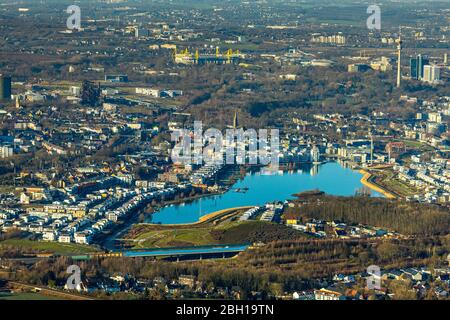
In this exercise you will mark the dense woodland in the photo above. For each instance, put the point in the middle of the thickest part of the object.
(279, 266)
(405, 217)
(287, 261)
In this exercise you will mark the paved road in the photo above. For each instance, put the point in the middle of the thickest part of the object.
(168, 252)
(51, 292)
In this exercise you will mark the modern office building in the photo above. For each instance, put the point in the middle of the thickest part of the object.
(413, 68)
(5, 87)
(141, 33)
(431, 74)
(6, 152)
(421, 63)
(417, 65)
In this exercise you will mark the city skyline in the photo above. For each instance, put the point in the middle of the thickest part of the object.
(232, 151)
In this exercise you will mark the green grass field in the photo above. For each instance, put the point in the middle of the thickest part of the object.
(6, 189)
(176, 237)
(48, 247)
(417, 145)
(26, 296)
(227, 232)
(389, 182)
(188, 236)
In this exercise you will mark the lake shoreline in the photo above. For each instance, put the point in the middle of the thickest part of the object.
(260, 190)
(367, 180)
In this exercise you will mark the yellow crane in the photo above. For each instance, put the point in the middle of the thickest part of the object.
(229, 54)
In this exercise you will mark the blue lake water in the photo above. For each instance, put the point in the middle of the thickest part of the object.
(331, 178)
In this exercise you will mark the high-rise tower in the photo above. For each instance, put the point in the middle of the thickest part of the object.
(17, 102)
(5, 87)
(417, 65)
(371, 147)
(399, 63)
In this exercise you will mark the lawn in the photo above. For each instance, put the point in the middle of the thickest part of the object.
(390, 182)
(49, 247)
(26, 296)
(224, 233)
(176, 237)
(6, 189)
(159, 236)
(218, 228)
(417, 145)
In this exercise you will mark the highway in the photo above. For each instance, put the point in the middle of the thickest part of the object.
(220, 251)
(176, 252)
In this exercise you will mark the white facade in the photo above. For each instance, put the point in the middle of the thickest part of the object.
(431, 73)
(65, 239)
(148, 92)
(6, 152)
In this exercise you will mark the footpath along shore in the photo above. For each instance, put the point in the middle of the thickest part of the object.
(367, 181)
(205, 218)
